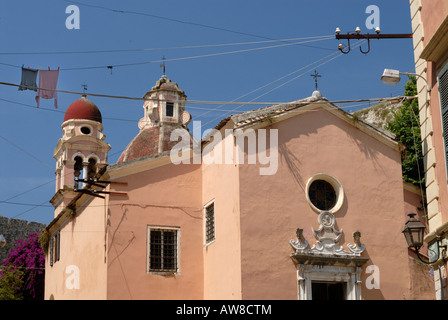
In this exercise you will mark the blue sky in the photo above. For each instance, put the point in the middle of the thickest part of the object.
(34, 33)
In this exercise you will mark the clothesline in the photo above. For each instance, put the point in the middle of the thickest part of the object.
(47, 79)
(130, 98)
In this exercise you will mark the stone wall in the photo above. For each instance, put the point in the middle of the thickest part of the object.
(15, 229)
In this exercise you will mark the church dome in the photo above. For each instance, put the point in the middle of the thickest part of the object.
(146, 143)
(83, 109)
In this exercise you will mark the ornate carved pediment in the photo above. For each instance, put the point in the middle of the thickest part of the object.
(327, 244)
(327, 260)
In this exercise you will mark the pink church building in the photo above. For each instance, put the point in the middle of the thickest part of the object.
(293, 201)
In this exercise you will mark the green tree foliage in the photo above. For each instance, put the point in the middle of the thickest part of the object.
(406, 127)
(11, 281)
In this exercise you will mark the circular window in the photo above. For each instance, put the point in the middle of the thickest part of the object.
(324, 193)
(85, 130)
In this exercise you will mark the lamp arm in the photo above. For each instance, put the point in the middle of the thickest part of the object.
(417, 75)
(438, 254)
(420, 258)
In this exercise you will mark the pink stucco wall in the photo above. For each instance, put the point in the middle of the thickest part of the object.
(222, 258)
(433, 12)
(170, 196)
(273, 207)
(82, 257)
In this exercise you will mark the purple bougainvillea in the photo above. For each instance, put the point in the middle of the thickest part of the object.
(27, 255)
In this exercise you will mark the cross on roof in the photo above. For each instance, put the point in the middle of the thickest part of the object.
(316, 75)
(162, 65)
(84, 87)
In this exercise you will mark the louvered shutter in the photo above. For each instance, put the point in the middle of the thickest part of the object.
(51, 251)
(443, 90)
(58, 245)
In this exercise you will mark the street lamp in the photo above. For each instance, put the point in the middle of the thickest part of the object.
(413, 232)
(2, 241)
(392, 77)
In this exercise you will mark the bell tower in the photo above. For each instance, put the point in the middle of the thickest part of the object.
(164, 106)
(164, 112)
(81, 151)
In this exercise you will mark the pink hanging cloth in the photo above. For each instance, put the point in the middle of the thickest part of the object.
(48, 79)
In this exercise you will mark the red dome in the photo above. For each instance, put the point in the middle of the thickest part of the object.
(83, 109)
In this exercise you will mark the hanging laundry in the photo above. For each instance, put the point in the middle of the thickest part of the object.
(29, 77)
(48, 79)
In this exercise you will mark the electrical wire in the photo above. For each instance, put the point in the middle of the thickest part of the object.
(317, 38)
(105, 118)
(236, 109)
(27, 204)
(28, 191)
(25, 152)
(309, 65)
(181, 21)
(190, 57)
(178, 59)
(26, 211)
(135, 98)
(192, 101)
(123, 97)
(268, 84)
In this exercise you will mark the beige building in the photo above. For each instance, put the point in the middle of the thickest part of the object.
(292, 201)
(430, 36)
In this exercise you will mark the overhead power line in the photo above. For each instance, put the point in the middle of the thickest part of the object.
(189, 101)
(191, 57)
(316, 38)
(179, 59)
(330, 57)
(272, 82)
(132, 98)
(183, 22)
(106, 118)
(26, 152)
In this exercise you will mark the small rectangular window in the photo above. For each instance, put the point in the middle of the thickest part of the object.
(163, 249)
(210, 223)
(169, 109)
(55, 246)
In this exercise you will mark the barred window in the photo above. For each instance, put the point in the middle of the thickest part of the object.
(210, 223)
(163, 249)
(322, 194)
